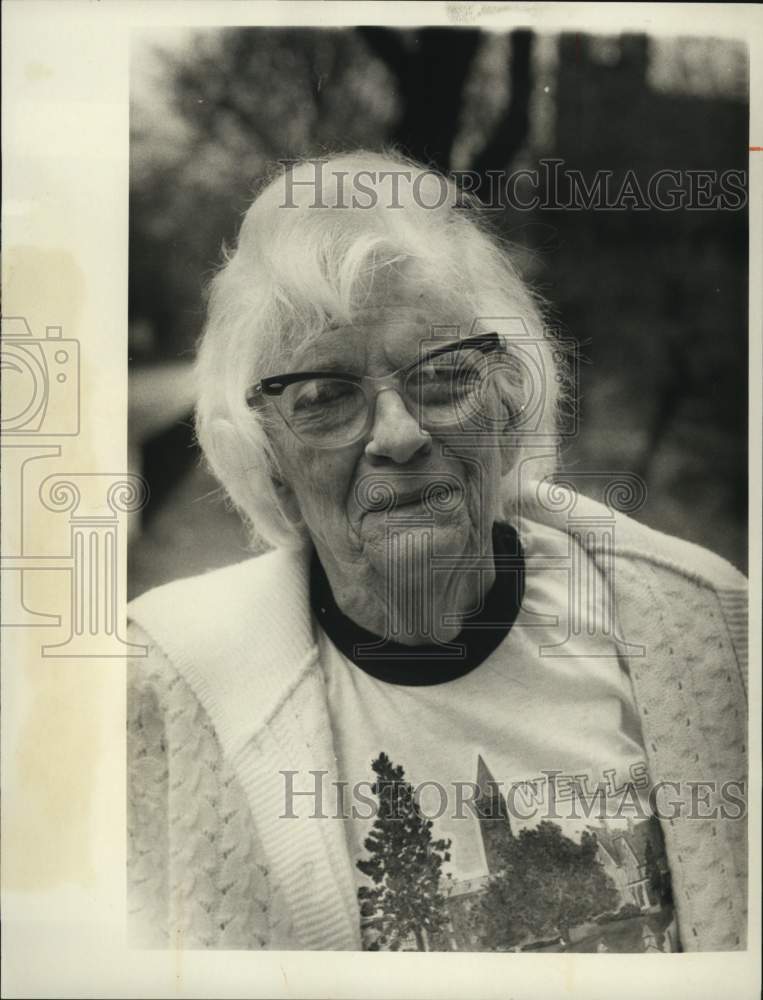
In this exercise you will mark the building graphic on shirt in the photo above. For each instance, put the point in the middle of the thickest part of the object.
(633, 880)
(541, 890)
(464, 895)
(493, 815)
(634, 859)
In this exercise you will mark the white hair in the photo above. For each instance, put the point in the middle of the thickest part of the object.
(306, 257)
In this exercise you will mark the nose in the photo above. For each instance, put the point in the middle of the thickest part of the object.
(395, 434)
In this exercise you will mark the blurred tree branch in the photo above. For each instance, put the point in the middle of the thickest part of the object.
(673, 386)
(430, 74)
(511, 133)
(387, 44)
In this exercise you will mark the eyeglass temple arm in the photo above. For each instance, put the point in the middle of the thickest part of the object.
(275, 385)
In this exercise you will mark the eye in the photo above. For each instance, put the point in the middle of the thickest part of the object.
(437, 370)
(321, 392)
(446, 377)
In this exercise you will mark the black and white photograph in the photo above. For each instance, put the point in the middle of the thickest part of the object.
(468, 671)
(381, 499)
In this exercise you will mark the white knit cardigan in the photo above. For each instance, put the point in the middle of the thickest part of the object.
(231, 694)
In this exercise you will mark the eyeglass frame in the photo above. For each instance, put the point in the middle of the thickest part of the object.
(274, 385)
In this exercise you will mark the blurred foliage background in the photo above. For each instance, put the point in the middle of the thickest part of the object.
(657, 301)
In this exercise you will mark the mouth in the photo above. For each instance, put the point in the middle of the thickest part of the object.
(410, 498)
(438, 494)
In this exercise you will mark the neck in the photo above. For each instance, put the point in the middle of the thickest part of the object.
(376, 640)
(405, 600)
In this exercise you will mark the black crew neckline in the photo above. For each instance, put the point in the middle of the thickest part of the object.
(429, 663)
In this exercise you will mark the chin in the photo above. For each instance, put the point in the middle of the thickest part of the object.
(401, 537)
(454, 535)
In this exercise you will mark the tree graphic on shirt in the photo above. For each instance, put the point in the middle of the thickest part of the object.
(547, 884)
(658, 873)
(404, 865)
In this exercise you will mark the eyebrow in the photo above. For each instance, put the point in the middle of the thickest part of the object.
(331, 368)
(482, 340)
(274, 384)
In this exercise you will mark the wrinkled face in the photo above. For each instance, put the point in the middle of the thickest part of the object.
(338, 491)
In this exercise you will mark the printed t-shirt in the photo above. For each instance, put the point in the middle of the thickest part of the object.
(511, 810)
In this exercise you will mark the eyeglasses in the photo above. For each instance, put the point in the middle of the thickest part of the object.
(441, 390)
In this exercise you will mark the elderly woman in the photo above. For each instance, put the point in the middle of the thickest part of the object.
(556, 692)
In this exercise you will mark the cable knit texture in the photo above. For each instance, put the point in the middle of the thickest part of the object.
(230, 696)
(197, 876)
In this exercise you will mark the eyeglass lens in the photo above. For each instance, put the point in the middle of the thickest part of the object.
(439, 392)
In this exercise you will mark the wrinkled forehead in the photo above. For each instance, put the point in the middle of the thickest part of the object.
(402, 313)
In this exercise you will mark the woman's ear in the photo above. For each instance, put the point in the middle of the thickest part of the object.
(509, 443)
(287, 499)
(510, 449)
(232, 468)
(223, 449)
